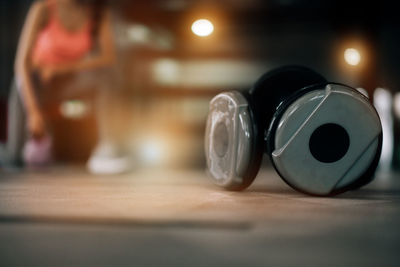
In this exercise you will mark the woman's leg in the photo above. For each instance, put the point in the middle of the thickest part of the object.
(11, 152)
(107, 103)
(112, 153)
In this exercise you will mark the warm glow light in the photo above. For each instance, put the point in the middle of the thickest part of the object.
(352, 56)
(202, 27)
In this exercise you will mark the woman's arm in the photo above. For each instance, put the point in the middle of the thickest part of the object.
(105, 57)
(23, 66)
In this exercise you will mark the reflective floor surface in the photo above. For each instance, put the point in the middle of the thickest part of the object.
(66, 217)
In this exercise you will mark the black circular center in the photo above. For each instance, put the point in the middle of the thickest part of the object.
(329, 143)
(221, 139)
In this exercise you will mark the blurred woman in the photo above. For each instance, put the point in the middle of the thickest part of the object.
(65, 47)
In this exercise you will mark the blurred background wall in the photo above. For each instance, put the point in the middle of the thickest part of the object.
(169, 74)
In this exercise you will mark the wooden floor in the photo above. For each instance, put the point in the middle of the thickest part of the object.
(66, 217)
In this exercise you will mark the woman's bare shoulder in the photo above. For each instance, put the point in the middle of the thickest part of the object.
(39, 9)
(39, 5)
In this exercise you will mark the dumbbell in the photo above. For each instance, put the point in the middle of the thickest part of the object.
(323, 138)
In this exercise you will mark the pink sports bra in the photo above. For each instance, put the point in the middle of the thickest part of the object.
(56, 45)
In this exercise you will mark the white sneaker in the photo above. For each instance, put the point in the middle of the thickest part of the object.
(106, 160)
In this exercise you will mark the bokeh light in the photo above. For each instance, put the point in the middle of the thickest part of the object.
(152, 151)
(352, 56)
(74, 109)
(202, 27)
